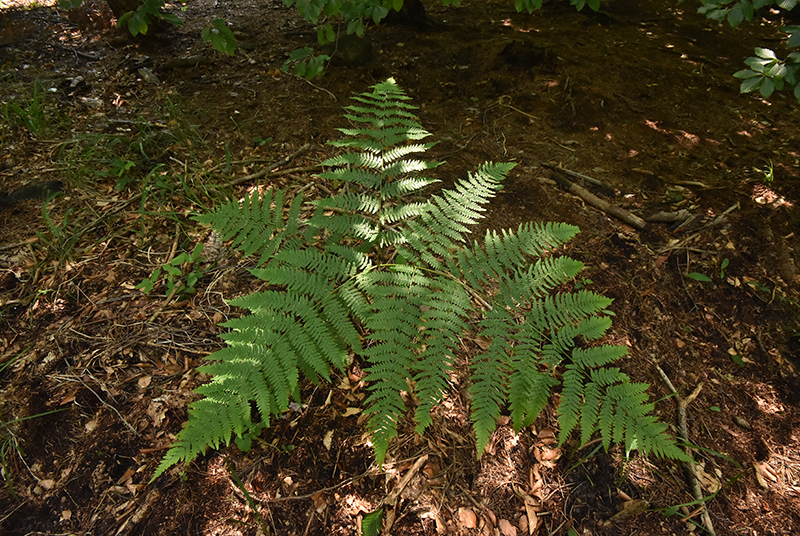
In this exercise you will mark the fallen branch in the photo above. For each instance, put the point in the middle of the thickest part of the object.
(618, 212)
(683, 432)
(713, 223)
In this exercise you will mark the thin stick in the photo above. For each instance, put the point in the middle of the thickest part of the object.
(394, 496)
(577, 175)
(273, 167)
(683, 431)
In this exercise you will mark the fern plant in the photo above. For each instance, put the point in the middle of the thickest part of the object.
(384, 273)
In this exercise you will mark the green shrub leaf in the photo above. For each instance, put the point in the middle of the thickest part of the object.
(699, 277)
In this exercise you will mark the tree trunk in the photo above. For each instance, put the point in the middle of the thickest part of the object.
(411, 14)
(120, 7)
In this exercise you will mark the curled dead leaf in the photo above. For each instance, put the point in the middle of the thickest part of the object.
(547, 434)
(551, 454)
(708, 482)
(431, 469)
(628, 510)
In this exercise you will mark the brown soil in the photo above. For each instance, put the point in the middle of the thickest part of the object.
(639, 96)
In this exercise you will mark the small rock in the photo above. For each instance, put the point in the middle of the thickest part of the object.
(149, 76)
(91, 102)
(467, 518)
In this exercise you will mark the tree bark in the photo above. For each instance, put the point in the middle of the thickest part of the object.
(120, 7)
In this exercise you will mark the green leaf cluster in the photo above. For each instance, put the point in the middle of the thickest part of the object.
(385, 271)
(220, 36)
(356, 15)
(138, 21)
(181, 274)
(766, 71)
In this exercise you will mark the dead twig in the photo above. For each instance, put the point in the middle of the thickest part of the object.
(394, 495)
(269, 169)
(713, 223)
(171, 256)
(577, 175)
(683, 432)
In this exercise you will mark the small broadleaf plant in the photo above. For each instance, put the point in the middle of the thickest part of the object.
(387, 274)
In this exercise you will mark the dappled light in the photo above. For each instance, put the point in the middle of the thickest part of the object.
(192, 256)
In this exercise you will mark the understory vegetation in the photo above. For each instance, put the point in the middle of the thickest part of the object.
(225, 307)
(333, 19)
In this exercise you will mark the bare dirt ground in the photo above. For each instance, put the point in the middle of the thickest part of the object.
(97, 376)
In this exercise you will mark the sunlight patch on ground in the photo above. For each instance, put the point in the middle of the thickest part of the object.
(26, 4)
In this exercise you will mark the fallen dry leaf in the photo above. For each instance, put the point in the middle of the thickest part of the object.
(764, 472)
(628, 510)
(506, 528)
(129, 473)
(523, 524)
(431, 469)
(531, 518)
(69, 397)
(708, 482)
(467, 518)
(483, 342)
(551, 454)
(157, 413)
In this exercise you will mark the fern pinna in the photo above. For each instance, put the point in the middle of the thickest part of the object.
(389, 275)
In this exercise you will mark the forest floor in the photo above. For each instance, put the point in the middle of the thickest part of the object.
(96, 376)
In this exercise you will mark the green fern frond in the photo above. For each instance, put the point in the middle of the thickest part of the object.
(385, 272)
(507, 252)
(364, 161)
(490, 372)
(597, 356)
(569, 405)
(442, 323)
(566, 309)
(489, 393)
(529, 389)
(542, 276)
(215, 417)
